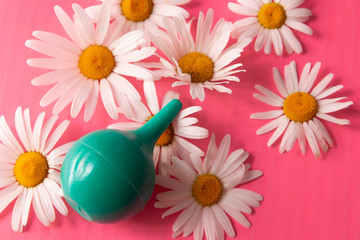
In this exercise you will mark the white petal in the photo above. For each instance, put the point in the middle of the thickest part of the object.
(260, 40)
(319, 136)
(37, 131)
(46, 130)
(226, 58)
(54, 138)
(61, 88)
(323, 130)
(268, 42)
(81, 95)
(210, 154)
(247, 196)
(291, 83)
(151, 96)
(183, 171)
(171, 183)
(169, 95)
(268, 93)
(329, 118)
(188, 111)
(197, 91)
(289, 138)
(280, 84)
(136, 55)
(311, 139)
(39, 210)
(127, 42)
(304, 76)
(236, 203)
(193, 132)
(327, 92)
(121, 84)
(233, 163)
(312, 76)
(58, 203)
(199, 228)
(267, 115)
(302, 139)
(322, 85)
(238, 216)
(17, 211)
(221, 155)
(68, 26)
(288, 35)
(50, 49)
(125, 126)
(184, 217)
(223, 219)
(91, 101)
(103, 22)
(299, 26)
(194, 221)
(46, 202)
(268, 100)
(298, 12)
(26, 207)
(7, 181)
(86, 29)
(8, 194)
(209, 224)
(333, 107)
(242, 10)
(270, 125)
(108, 99)
(133, 71)
(282, 126)
(7, 137)
(187, 146)
(178, 207)
(51, 63)
(20, 129)
(277, 41)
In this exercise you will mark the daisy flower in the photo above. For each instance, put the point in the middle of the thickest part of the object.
(271, 21)
(30, 172)
(92, 62)
(203, 63)
(141, 14)
(173, 141)
(300, 109)
(206, 192)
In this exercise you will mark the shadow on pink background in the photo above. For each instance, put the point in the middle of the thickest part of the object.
(304, 197)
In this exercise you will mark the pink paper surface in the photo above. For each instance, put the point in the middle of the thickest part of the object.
(304, 197)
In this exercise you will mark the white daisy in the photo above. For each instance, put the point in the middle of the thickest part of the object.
(300, 109)
(271, 21)
(205, 192)
(203, 63)
(172, 142)
(30, 172)
(92, 63)
(141, 14)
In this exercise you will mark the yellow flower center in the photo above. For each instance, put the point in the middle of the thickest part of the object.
(199, 66)
(31, 168)
(96, 62)
(300, 107)
(207, 189)
(137, 10)
(166, 137)
(272, 15)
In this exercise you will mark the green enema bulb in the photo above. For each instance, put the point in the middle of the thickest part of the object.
(109, 175)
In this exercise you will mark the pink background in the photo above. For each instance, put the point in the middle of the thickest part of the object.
(304, 197)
